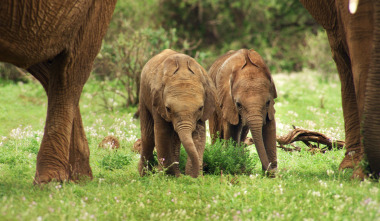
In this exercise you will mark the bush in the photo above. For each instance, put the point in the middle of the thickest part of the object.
(115, 160)
(122, 61)
(229, 157)
(223, 155)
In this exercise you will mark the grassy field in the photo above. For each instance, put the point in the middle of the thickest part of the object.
(307, 187)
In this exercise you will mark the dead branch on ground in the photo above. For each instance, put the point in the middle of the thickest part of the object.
(307, 136)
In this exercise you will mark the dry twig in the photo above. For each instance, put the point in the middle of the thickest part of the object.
(307, 136)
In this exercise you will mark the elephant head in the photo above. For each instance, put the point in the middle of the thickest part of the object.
(184, 97)
(246, 94)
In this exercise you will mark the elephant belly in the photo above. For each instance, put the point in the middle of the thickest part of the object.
(35, 31)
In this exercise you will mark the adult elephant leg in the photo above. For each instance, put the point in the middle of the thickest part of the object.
(79, 157)
(84, 50)
(79, 152)
(199, 138)
(349, 105)
(371, 122)
(63, 94)
(359, 31)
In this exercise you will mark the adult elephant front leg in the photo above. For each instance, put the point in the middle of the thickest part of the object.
(349, 103)
(371, 124)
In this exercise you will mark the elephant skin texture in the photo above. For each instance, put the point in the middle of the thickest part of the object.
(57, 42)
(245, 98)
(176, 98)
(354, 41)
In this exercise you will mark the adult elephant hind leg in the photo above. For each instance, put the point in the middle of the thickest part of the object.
(78, 152)
(79, 155)
(63, 94)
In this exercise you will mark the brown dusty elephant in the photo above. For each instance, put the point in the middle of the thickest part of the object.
(354, 40)
(57, 42)
(245, 98)
(176, 98)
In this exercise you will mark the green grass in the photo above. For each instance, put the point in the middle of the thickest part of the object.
(307, 187)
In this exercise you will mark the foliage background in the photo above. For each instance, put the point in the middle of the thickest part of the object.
(283, 32)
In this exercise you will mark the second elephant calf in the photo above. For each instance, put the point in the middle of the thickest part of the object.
(245, 98)
(176, 98)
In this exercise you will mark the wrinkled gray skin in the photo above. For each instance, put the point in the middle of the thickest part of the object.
(245, 95)
(57, 42)
(355, 45)
(176, 98)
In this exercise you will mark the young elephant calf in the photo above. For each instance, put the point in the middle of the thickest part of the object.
(245, 93)
(176, 98)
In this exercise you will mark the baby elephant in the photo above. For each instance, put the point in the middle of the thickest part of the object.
(176, 98)
(245, 93)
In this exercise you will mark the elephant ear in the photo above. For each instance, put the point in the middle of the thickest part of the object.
(168, 68)
(226, 76)
(209, 87)
(258, 61)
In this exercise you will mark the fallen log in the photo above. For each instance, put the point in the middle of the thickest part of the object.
(307, 136)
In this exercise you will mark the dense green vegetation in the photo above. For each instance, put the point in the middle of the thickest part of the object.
(307, 187)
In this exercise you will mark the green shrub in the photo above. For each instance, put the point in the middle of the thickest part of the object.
(123, 59)
(115, 160)
(229, 157)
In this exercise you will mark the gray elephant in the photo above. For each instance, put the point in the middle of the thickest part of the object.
(354, 36)
(57, 42)
(176, 98)
(245, 97)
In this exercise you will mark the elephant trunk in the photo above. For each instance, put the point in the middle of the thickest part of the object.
(185, 136)
(371, 120)
(255, 125)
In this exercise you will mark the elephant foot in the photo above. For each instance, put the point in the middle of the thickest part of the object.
(143, 167)
(351, 159)
(358, 174)
(270, 173)
(47, 176)
(80, 172)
